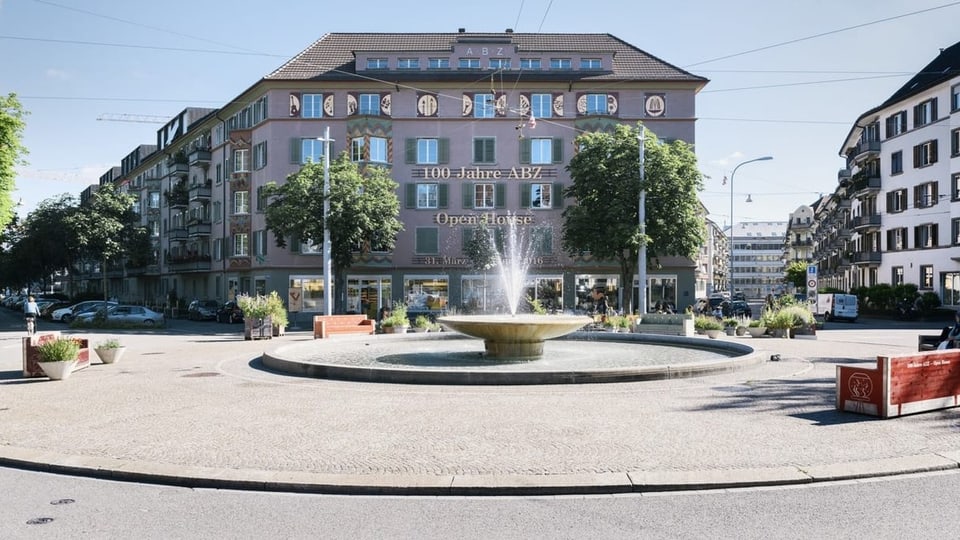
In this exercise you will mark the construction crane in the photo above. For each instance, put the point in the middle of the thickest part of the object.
(139, 118)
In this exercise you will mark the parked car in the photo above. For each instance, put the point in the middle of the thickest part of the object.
(229, 312)
(203, 310)
(67, 314)
(126, 314)
(47, 309)
(737, 308)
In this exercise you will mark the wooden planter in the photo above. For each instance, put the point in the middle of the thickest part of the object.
(257, 328)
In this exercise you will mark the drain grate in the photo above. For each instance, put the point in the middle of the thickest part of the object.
(62, 501)
(39, 521)
(203, 374)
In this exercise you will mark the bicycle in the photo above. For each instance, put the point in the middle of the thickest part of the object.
(31, 326)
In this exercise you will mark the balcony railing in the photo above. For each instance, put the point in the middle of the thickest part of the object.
(199, 157)
(863, 181)
(180, 169)
(865, 222)
(200, 192)
(178, 233)
(867, 257)
(864, 149)
(190, 262)
(198, 228)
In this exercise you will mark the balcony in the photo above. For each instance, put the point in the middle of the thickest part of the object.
(863, 223)
(200, 192)
(867, 257)
(192, 262)
(198, 228)
(863, 183)
(178, 233)
(864, 150)
(177, 195)
(843, 174)
(199, 157)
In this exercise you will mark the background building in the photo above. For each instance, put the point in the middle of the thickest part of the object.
(758, 258)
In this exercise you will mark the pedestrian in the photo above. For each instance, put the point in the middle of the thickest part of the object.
(953, 335)
(600, 303)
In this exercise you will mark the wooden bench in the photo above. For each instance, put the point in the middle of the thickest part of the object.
(678, 324)
(930, 342)
(326, 325)
(899, 385)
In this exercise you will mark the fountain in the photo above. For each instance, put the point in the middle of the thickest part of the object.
(514, 336)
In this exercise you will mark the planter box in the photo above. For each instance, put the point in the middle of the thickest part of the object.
(257, 328)
(31, 367)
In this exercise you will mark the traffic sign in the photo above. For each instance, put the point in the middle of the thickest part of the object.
(812, 283)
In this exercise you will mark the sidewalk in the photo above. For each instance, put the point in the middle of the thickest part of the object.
(196, 410)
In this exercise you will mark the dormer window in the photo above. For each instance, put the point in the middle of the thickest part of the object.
(439, 63)
(590, 63)
(529, 63)
(408, 63)
(559, 63)
(499, 63)
(469, 63)
(377, 63)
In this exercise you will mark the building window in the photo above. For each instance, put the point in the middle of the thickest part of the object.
(408, 63)
(541, 105)
(311, 151)
(241, 160)
(312, 106)
(499, 63)
(926, 276)
(596, 104)
(378, 149)
(897, 239)
(541, 151)
(427, 240)
(370, 104)
(260, 155)
(427, 152)
(559, 63)
(540, 195)
(438, 63)
(427, 195)
(590, 63)
(356, 149)
(219, 173)
(925, 195)
(241, 245)
(375, 151)
(955, 231)
(955, 98)
(955, 187)
(484, 196)
(955, 142)
(218, 250)
(483, 105)
(897, 201)
(377, 63)
(154, 228)
(309, 248)
(925, 113)
(896, 124)
(261, 199)
(896, 277)
(260, 242)
(217, 211)
(925, 236)
(469, 63)
(484, 150)
(241, 202)
(896, 162)
(529, 63)
(925, 154)
(153, 199)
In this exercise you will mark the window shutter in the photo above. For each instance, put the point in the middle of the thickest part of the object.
(918, 197)
(890, 207)
(557, 150)
(411, 196)
(294, 244)
(443, 194)
(465, 236)
(467, 195)
(889, 127)
(427, 239)
(556, 197)
(525, 195)
(265, 239)
(525, 150)
(933, 150)
(295, 151)
(933, 110)
(916, 157)
(934, 193)
(255, 243)
(410, 146)
(499, 195)
(916, 116)
(443, 150)
(546, 241)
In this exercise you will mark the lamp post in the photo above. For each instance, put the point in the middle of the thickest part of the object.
(642, 250)
(730, 262)
(327, 246)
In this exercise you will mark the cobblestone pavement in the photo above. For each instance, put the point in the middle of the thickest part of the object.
(202, 405)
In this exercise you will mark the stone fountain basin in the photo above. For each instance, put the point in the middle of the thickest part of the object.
(515, 336)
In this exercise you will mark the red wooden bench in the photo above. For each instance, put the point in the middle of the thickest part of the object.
(901, 385)
(326, 325)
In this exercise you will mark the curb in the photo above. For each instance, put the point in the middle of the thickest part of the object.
(456, 485)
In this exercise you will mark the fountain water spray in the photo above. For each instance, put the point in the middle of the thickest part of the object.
(514, 263)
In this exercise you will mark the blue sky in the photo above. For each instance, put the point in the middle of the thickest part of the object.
(795, 102)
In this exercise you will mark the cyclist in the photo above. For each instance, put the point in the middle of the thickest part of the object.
(30, 313)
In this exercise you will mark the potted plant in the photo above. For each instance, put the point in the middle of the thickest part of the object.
(623, 324)
(780, 323)
(730, 326)
(611, 323)
(256, 316)
(397, 322)
(422, 323)
(277, 312)
(110, 350)
(756, 329)
(708, 325)
(58, 357)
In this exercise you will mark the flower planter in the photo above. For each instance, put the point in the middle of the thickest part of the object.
(741, 330)
(757, 331)
(110, 355)
(730, 330)
(713, 334)
(254, 328)
(58, 371)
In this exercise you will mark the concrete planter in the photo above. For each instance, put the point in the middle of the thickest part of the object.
(58, 371)
(110, 355)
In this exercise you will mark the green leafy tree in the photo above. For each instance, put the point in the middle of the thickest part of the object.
(796, 274)
(364, 210)
(103, 228)
(12, 152)
(606, 187)
(46, 237)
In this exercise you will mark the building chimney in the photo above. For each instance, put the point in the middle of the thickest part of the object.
(509, 30)
(462, 30)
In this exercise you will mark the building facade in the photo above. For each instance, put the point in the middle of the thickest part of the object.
(473, 126)
(895, 215)
(758, 257)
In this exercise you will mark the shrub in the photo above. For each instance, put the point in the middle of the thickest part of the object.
(261, 307)
(58, 350)
(731, 322)
(704, 322)
(398, 316)
(109, 344)
(422, 321)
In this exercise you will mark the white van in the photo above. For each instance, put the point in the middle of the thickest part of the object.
(837, 306)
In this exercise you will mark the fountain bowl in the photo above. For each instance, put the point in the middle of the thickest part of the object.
(514, 336)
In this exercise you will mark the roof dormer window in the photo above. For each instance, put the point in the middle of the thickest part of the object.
(377, 63)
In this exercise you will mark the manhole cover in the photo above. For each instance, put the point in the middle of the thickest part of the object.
(203, 374)
(63, 501)
(39, 521)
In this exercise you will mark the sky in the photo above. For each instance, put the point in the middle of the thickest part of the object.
(787, 78)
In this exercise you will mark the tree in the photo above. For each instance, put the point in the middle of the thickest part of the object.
(480, 249)
(47, 237)
(796, 274)
(364, 210)
(606, 186)
(103, 228)
(11, 151)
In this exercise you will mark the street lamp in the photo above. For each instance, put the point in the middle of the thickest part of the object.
(730, 263)
(327, 246)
